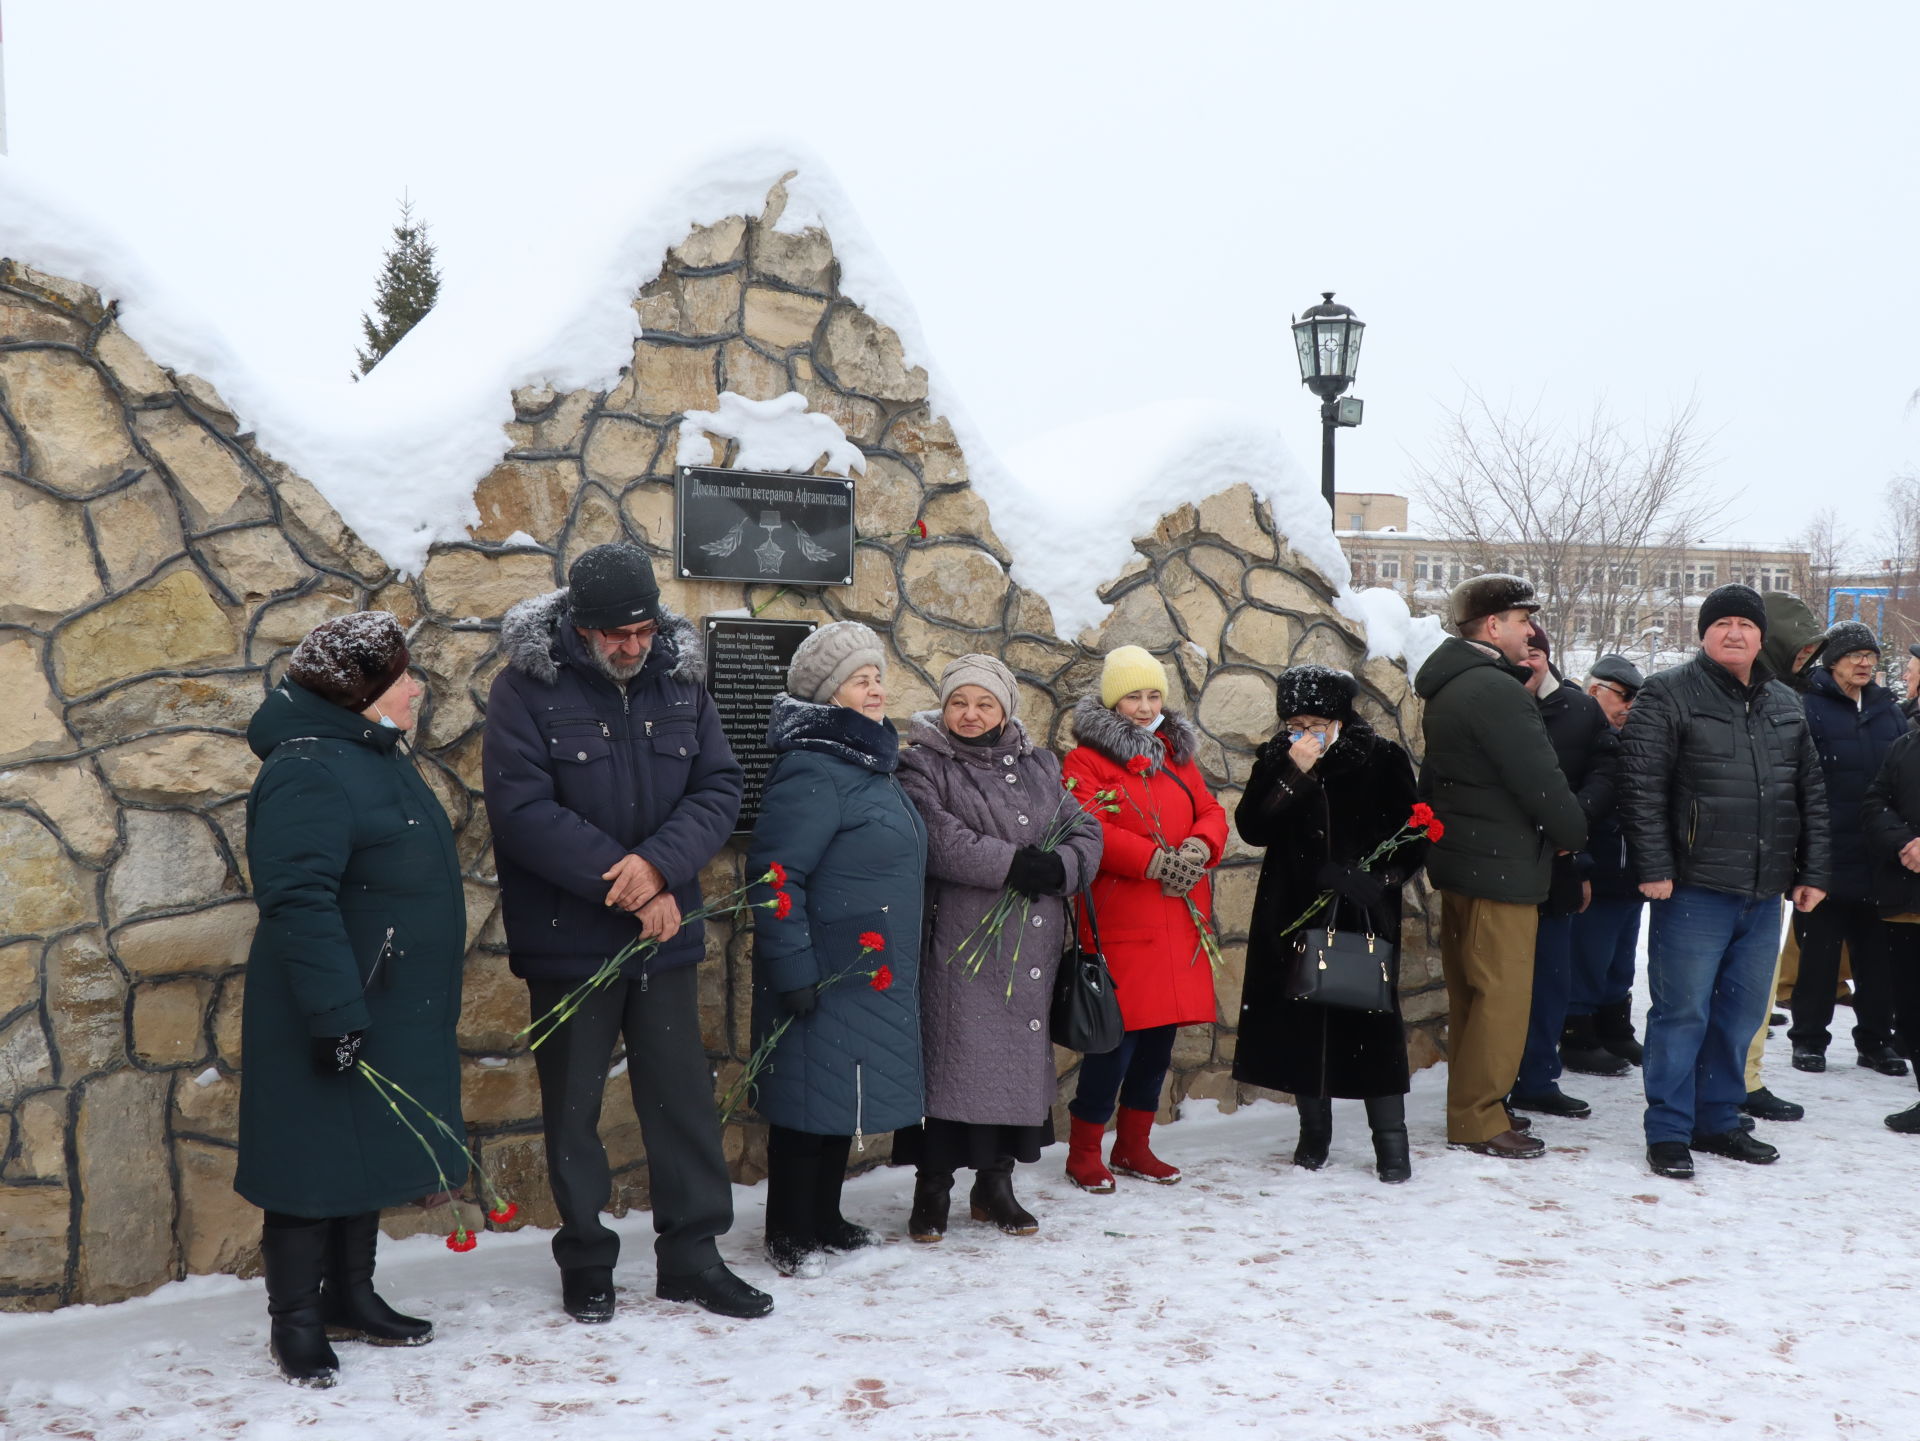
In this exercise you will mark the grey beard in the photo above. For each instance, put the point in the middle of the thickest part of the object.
(619, 672)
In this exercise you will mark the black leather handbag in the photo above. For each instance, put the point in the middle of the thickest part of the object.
(1086, 1014)
(1347, 970)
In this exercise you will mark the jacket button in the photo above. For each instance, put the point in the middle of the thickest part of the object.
(1023, 820)
(1034, 974)
(580, 756)
(1012, 780)
(1033, 1025)
(1038, 922)
(683, 750)
(1006, 760)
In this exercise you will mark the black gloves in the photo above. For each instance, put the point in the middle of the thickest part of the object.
(1350, 883)
(337, 1055)
(799, 1003)
(1035, 872)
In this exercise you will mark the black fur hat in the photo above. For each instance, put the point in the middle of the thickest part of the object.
(1846, 638)
(1315, 690)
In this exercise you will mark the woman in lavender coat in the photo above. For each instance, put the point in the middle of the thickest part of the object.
(989, 797)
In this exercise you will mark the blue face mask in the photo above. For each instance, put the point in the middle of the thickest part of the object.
(387, 721)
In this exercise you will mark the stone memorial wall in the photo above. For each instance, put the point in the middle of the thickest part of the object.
(159, 567)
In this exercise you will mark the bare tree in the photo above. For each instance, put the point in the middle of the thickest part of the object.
(1895, 551)
(1830, 556)
(1596, 515)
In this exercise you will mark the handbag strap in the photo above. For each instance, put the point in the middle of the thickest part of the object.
(1093, 917)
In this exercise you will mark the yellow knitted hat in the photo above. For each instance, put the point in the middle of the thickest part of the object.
(1129, 668)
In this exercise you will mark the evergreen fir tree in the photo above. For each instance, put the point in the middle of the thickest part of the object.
(409, 285)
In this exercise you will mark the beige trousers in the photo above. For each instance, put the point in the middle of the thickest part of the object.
(1486, 953)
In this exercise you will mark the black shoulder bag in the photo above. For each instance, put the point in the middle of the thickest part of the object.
(1347, 970)
(1086, 1014)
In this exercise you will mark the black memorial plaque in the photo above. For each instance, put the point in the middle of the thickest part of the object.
(747, 664)
(749, 526)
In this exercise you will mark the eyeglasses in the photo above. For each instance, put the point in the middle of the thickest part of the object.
(1618, 689)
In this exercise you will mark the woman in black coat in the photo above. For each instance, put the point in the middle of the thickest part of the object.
(1323, 794)
(1890, 824)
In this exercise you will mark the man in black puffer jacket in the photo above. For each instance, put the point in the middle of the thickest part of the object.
(1854, 724)
(1588, 752)
(609, 784)
(1725, 809)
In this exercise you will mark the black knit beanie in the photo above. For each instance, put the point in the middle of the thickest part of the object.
(1846, 638)
(1740, 600)
(351, 659)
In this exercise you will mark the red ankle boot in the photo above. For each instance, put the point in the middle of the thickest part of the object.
(1084, 1166)
(1131, 1154)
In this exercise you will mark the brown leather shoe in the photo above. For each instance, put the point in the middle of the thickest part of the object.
(1508, 1145)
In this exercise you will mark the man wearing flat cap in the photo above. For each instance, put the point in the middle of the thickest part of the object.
(1493, 780)
(1726, 810)
(609, 784)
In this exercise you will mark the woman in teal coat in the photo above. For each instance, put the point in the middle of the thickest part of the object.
(357, 956)
(837, 972)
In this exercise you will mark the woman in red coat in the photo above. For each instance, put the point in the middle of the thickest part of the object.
(1165, 835)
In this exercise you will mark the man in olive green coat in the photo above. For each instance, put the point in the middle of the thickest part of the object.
(1493, 780)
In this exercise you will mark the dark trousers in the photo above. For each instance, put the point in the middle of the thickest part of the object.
(1822, 931)
(1552, 978)
(1133, 1071)
(1903, 981)
(1605, 936)
(673, 1097)
(804, 1175)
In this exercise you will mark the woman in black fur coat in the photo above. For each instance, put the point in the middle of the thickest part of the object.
(1324, 792)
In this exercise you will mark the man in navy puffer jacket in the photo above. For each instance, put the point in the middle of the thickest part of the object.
(609, 784)
(1854, 724)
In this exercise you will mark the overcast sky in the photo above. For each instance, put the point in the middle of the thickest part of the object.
(1097, 206)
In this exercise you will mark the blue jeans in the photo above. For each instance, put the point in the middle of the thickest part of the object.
(1133, 1071)
(1710, 961)
(1605, 936)
(1552, 967)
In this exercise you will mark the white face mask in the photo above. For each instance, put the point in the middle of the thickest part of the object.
(1154, 724)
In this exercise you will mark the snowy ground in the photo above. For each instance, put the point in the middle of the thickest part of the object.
(1572, 1296)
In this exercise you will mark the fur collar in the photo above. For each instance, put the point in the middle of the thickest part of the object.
(926, 731)
(1121, 740)
(834, 730)
(531, 639)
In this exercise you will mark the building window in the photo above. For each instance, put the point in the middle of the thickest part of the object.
(1453, 573)
(1356, 521)
(1425, 568)
(1389, 570)
(1629, 575)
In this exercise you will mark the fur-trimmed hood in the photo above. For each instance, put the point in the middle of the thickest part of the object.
(1120, 740)
(536, 637)
(833, 730)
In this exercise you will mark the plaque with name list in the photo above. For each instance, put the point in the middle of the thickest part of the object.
(761, 528)
(747, 664)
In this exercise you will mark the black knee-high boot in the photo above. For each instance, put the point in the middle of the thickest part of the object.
(1316, 1131)
(793, 1183)
(833, 1230)
(293, 1252)
(1392, 1160)
(353, 1309)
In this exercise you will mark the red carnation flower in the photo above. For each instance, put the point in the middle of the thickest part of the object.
(921, 526)
(1140, 765)
(777, 873)
(882, 979)
(782, 905)
(462, 1240)
(1422, 816)
(873, 941)
(1435, 830)
(505, 1214)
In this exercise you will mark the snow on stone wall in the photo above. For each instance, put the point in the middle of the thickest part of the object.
(159, 567)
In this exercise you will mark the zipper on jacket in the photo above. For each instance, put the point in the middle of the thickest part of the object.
(605, 729)
(859, 1108)
(380, 959)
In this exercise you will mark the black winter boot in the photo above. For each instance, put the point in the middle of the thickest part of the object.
(793, 1180)
(353, 1310)
(992, 1200)
(1392, 1160)
(932, 1196)
(1316, 1131)
(1582, 1050)
(833, 1230)
(295, 1260)
(1614, 1026)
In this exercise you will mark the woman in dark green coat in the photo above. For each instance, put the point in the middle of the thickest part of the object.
(356, 957)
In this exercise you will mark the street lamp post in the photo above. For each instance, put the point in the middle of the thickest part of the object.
(1327, 337)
